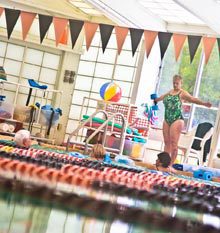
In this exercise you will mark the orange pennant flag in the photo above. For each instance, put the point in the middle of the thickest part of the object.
(121, 34)
(1, 10)
(59, 27)
(178, 41)
(149, 37)
(26, 22)
(65, 36)
(90, 29)
(208, 44)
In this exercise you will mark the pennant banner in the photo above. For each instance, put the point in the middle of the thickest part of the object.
(59, 28)
(149, 37)
(121, 34)
(11, 17)
(65, 36)
(44, 24)
(26, 22)
(1, 10)
(208, 43)
(178, 41)
(90, 30)
(105, 31)
(164, 40)
(75, 29)
(61, 34)
(193, 42)
(136, 35)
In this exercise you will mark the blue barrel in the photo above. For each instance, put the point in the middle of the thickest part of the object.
(198, 174)
(207, 175)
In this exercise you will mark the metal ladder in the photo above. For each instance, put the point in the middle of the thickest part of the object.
(102, 128)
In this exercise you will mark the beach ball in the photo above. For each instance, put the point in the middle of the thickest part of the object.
(110, 91)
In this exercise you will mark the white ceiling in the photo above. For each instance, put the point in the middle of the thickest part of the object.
(200, 17)
(184, 16)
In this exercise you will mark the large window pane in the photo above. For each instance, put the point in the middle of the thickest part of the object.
(2, 48)
(90, 55)
(15, 52)
(86, 68)
(83, 83)
(107, 57)
(104, 70)
(124, 73)
(51, 60)
(31, 71)
(97, 83)
(16, 67)
(96, 39)
(210, 83)
(34, 56)
(78, 97)
(204, 115)
(48, 75)
(126, 58)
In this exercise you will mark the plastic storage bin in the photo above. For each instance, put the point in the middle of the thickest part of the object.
(133, 149)
(6, 110)
(45, 117)
(22, 113)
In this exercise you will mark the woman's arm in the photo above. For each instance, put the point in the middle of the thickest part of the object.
(161, 97)
(189, 98)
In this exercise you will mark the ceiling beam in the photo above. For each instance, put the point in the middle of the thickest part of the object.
(191, 29)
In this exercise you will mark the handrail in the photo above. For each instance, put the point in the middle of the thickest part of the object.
(105, 124)
(83, 124)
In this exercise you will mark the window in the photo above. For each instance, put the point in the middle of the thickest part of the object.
(198, 79)
(97, 68)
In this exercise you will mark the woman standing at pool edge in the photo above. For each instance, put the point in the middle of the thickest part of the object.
(173, 120)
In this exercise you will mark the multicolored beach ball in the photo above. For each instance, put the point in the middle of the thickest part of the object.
(110, 91)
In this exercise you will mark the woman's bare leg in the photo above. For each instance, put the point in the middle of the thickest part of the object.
(175, 131)
(166, 137)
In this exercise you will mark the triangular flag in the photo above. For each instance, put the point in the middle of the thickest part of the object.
(218, 40)
(90, 30)
(208, 43)
(149, 37)
(75, 29)
(11, 19)
(64, 37)
(193, 42)
(44, 24)
(26, 22)
(136, 35)
(1, 10)
(59, 28)
(105, 31)
(178, 41)
(164, 40)
(121, 34)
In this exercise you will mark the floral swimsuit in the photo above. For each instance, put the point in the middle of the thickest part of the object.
(173, 108)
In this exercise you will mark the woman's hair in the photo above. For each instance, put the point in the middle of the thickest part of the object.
(98, 151)
(177, 76)
(164, 159)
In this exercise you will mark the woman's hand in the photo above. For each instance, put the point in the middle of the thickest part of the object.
(208, 104)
